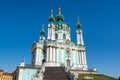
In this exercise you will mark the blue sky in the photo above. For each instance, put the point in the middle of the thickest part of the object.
(21, 20)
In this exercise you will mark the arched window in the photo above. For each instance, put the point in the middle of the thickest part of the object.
(56, 36)
(64, 36)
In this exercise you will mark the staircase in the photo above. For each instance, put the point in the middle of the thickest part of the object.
(55, 73)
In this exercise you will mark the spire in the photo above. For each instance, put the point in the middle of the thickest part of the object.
(51, 12)
(59, 16)
(59, 11)
(78, 24)
(42, 30)
(51, 18)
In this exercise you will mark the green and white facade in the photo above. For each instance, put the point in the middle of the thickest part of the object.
(56, 49)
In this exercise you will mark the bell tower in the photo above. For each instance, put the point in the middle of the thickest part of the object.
(79, 33)
(51, 27)
(38, 49)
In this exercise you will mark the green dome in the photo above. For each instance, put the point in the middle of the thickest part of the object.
(51, 17)
(59, 16)
(78, 24)
(42, 30)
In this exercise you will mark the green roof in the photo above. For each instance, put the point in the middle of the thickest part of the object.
(78, 24)
(59, 16)
(42, 30)
(51, 18)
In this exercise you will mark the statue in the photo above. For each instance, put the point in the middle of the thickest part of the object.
(39, 76)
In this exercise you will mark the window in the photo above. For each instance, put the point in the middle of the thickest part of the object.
(64, 36)
(68, 62)
(56, 36)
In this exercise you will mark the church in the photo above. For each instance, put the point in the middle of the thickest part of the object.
(54, 51)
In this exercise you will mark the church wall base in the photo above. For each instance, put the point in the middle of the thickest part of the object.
(83, 72)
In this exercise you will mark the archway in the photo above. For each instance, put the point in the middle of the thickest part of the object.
(68, 62)
(43, 61)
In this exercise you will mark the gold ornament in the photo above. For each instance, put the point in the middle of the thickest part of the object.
(68, 41)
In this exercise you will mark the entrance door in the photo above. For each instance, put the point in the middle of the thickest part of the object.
(68, 63)
(43, 61)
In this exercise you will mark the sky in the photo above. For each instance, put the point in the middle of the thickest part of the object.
(21, 20)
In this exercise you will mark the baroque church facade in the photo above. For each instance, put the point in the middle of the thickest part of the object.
(56, 49)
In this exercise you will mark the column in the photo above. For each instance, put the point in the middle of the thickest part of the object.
(85, 58)
(81, 38)
(54, 56)
(80, 57)
(49, 33)
(53, 34)
(73, 56)
(20, 75)
(77, 59)
(62, 55)
(58, 56)
(47, 54)
(50, 53)
(78, 38)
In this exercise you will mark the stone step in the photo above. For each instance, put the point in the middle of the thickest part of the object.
(55, 76)
(56, 79)
(55, 73)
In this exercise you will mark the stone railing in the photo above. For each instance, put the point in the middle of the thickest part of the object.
(78, 67)
(39, 76)
(88, 78)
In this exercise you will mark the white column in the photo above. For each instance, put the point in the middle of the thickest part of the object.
(47, 54)
(53, 34)
(50, 53)
(81, 38)
(20, 74)
(74, 57)
(68, 36)
(62, 55)
(85, 58)
(77, 59)
(54, 56)
(78, 38)
(57, 56)
(49, 33)
(79, 56)
(82, 57)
